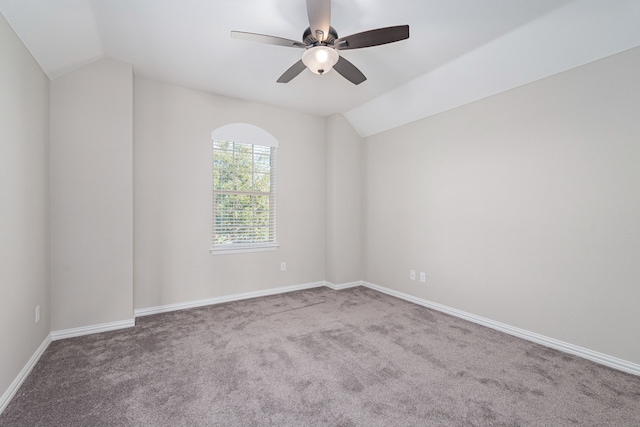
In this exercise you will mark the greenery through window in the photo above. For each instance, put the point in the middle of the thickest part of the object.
(243, 195)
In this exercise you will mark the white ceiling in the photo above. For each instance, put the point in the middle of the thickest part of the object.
(188, 43)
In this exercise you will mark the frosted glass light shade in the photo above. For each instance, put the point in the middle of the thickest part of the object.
(320, 59)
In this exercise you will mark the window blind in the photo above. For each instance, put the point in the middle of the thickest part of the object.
(244, 196)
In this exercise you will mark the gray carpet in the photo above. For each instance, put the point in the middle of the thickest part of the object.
(317, 357)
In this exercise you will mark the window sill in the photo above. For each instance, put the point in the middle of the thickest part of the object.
(242, 249)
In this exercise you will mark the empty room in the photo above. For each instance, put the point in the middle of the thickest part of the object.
(319, 212)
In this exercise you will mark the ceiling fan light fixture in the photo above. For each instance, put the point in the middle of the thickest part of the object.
(320, 59)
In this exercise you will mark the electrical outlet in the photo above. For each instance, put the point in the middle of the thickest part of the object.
(412, 274)
(283, 266)
(423, 277)
(37, 313)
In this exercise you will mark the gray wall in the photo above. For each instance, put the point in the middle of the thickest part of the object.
(173, 197)
(344, 202)
(24, 205)
(523, 208)
(91, 196)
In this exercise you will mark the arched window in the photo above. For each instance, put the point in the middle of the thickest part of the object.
(244, 189)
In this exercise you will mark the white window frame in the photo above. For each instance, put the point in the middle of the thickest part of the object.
(244, 133)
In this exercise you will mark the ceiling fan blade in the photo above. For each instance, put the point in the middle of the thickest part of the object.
(373, 37)
(349, 71)
(319, 13)
(262, 38)
(292, 72)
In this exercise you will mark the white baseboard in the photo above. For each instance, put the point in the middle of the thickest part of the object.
(340, 286)
(93, 329)
(15, 385)
(140, 312)
(594, 356)
(227, 298)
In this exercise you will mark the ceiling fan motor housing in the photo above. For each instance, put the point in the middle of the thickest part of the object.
(310, 40)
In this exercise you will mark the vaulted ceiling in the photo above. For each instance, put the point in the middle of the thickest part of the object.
(458, 51)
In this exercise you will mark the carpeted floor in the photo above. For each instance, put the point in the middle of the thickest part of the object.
(317, 357)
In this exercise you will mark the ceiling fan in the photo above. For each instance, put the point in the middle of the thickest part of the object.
(321, 44)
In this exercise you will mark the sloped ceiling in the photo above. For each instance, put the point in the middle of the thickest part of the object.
(459, 50)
